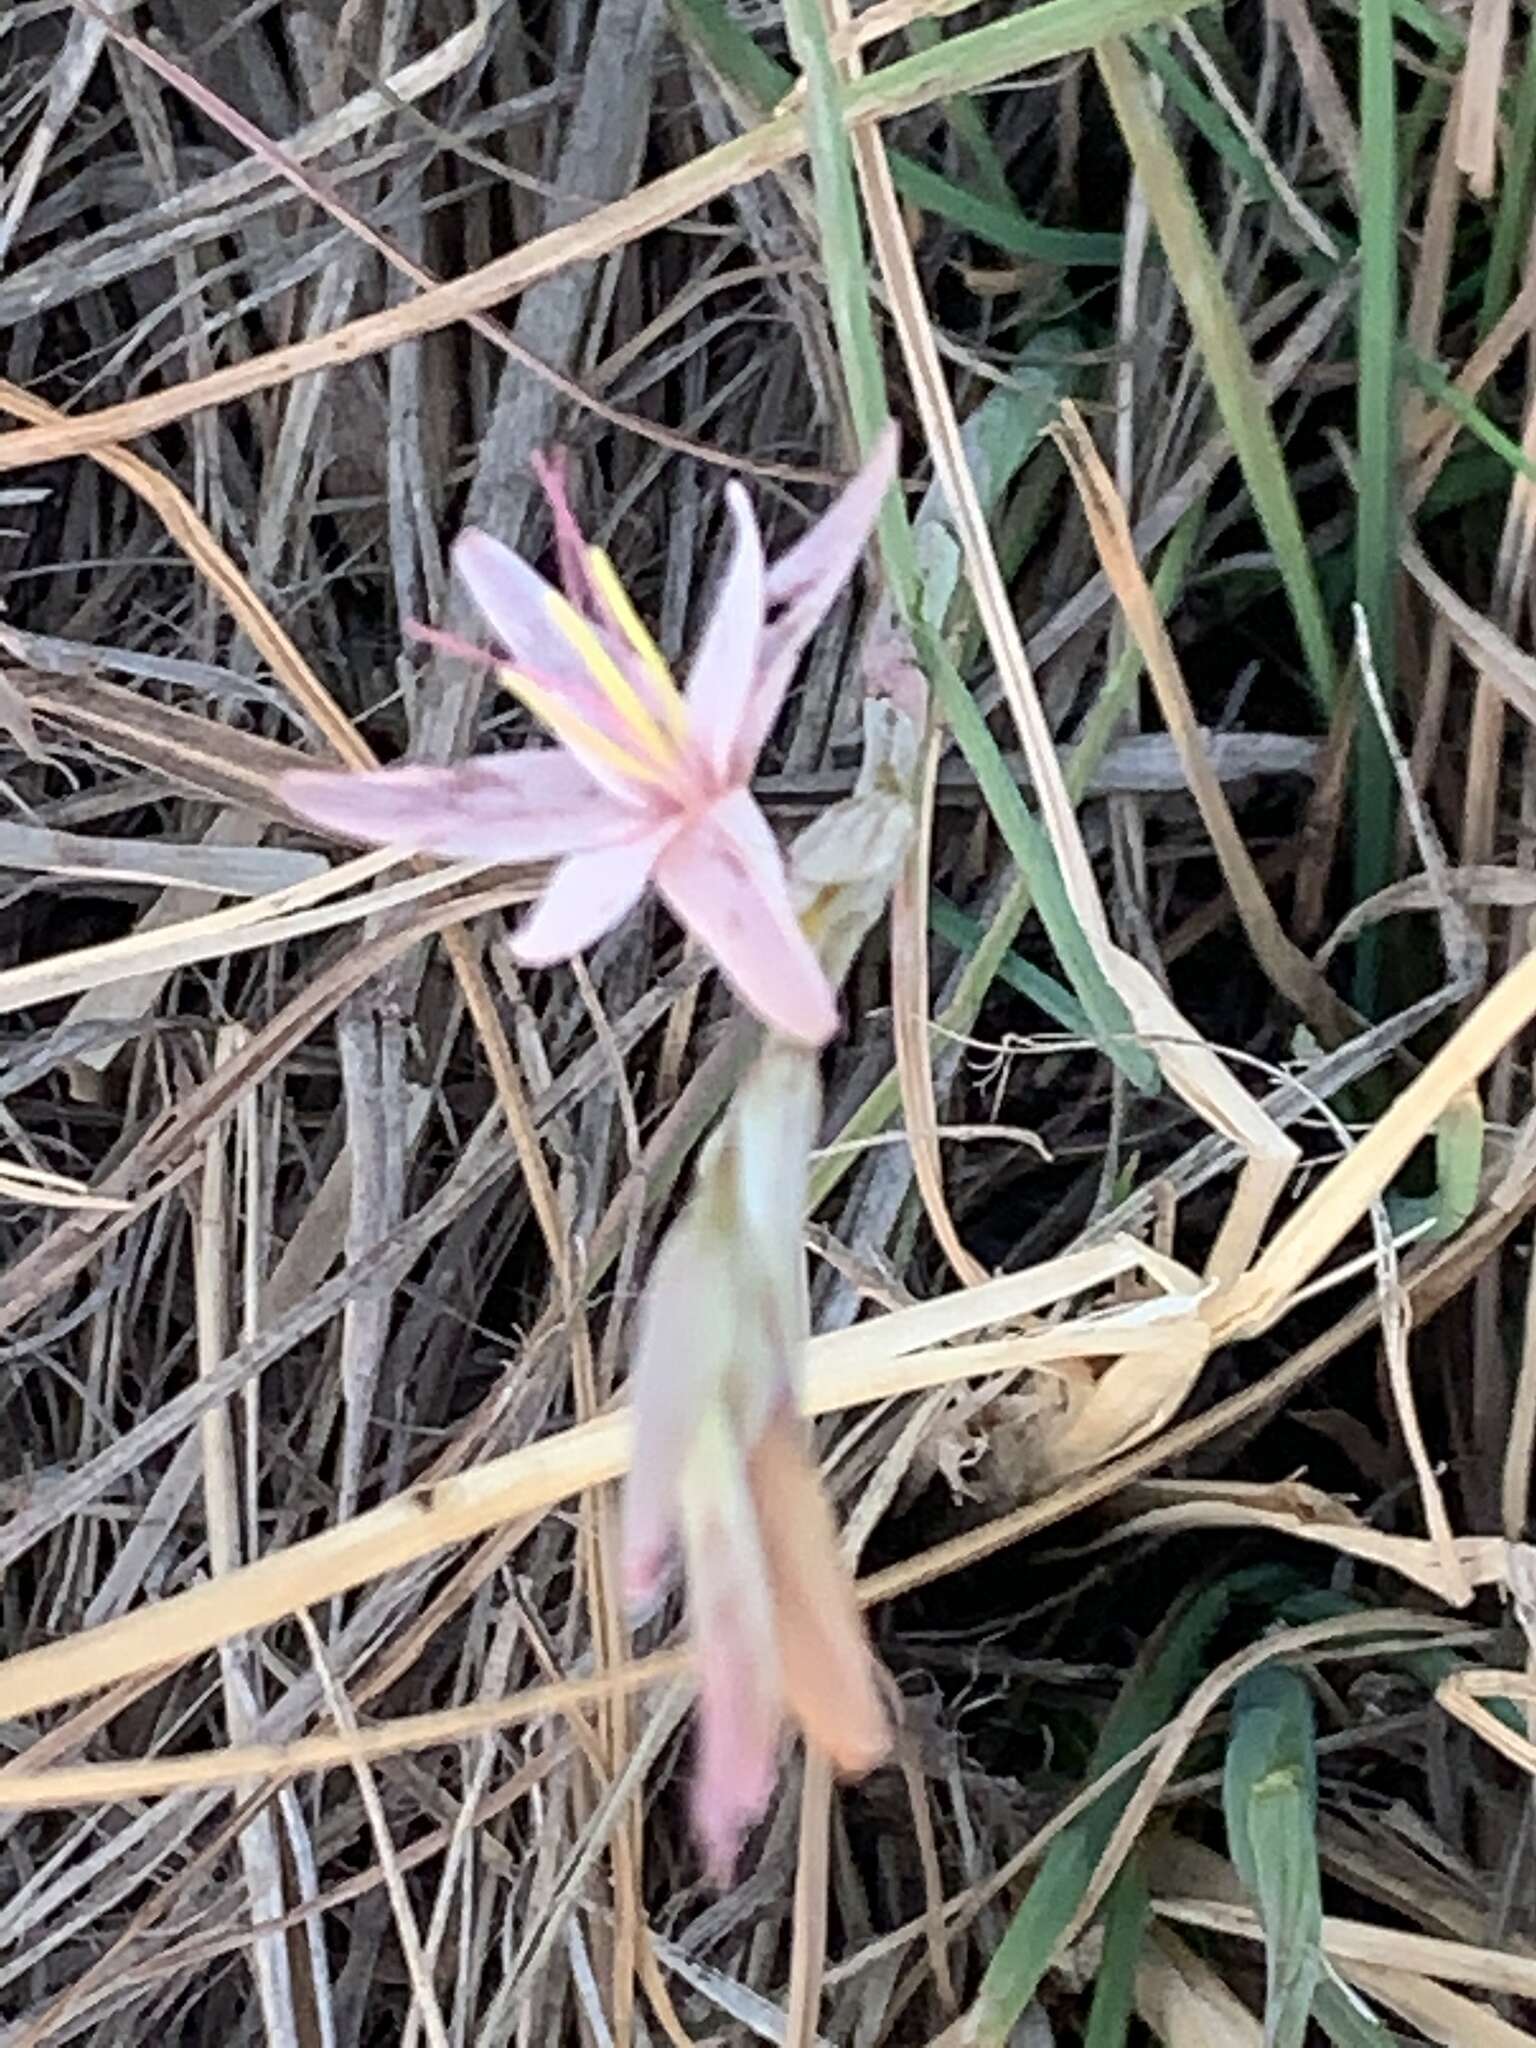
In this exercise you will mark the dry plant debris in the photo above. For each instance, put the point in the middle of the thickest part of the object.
(1170, 1225)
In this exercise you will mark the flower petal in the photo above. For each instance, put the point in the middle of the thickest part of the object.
(515, 603)
(740, 1703)
(824, 1656)
(587, 895)
(722, 679)
(724, 876)
(539, 628)
(802, 584)
(535, 804)
(682, 1352)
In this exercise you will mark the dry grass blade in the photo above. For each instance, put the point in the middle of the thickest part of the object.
(1184, 2000)
(1463, 1696)
(1481, 79)
(808, 1950)
(911, 990)
(67, 1785)
(1353, 1941)
(1188, 1063)
(15, 716)
(1447, 1566)
(35, 1188)
(1337, 1204)
(269, 919)
(288, 167)
(1290, 971)
(192, 534)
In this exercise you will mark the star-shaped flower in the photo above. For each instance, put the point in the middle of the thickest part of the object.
(648, 783)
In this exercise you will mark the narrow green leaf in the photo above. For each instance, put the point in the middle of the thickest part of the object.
(1207, 117)
(1437, 29)
(843, 262)
(1458, 1163)
(1168, 1670)
(1517, 182)
(994, 216)
(1235, 383)
(1376, 502)
(1432, 379)
(1040, 988)
(1270, 1797)
(1034, 35)
(998, 438)
(1347, 2023)
(1126, 1910)
(1007, 228)
(990, 948)
(966, 119)
(1002, 431)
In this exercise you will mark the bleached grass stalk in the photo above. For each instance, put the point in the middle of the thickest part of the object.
(260, 1859)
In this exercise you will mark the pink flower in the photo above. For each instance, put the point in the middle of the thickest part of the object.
(720, 1460)
(647, 783)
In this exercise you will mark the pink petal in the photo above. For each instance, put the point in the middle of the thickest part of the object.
(724, 877)
(515, 603)
(683, 1345)
(803, 583)
(740, 1711)
(587, 896)
(720, 683)
(536, 804)
(828, 1669)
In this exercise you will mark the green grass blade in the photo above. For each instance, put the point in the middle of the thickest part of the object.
(1033, 35)
(1168, 1670)
(1032, 394)
(1347, 2024)
(969, 935)
(1007, 228)
(1437, 29)
(1459, 1150)
(1207, 117)
(964, 116)
(1126, 1911)
(989, 948)
(1270, 1796)
(842, 248)
(844, 265)
(1512, 224)
(1031, 848)
(1432, 379)
(990, 216)
(1376, 490)
(1235, 383)
(999, 438)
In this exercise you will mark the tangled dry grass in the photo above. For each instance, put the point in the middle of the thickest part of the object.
(1170, 1237)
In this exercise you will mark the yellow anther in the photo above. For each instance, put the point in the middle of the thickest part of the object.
(612, 681)
(632, 626)
(575, 730)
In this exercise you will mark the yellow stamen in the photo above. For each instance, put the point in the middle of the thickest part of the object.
(632, 626)
(612, 681)
(571, 727)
